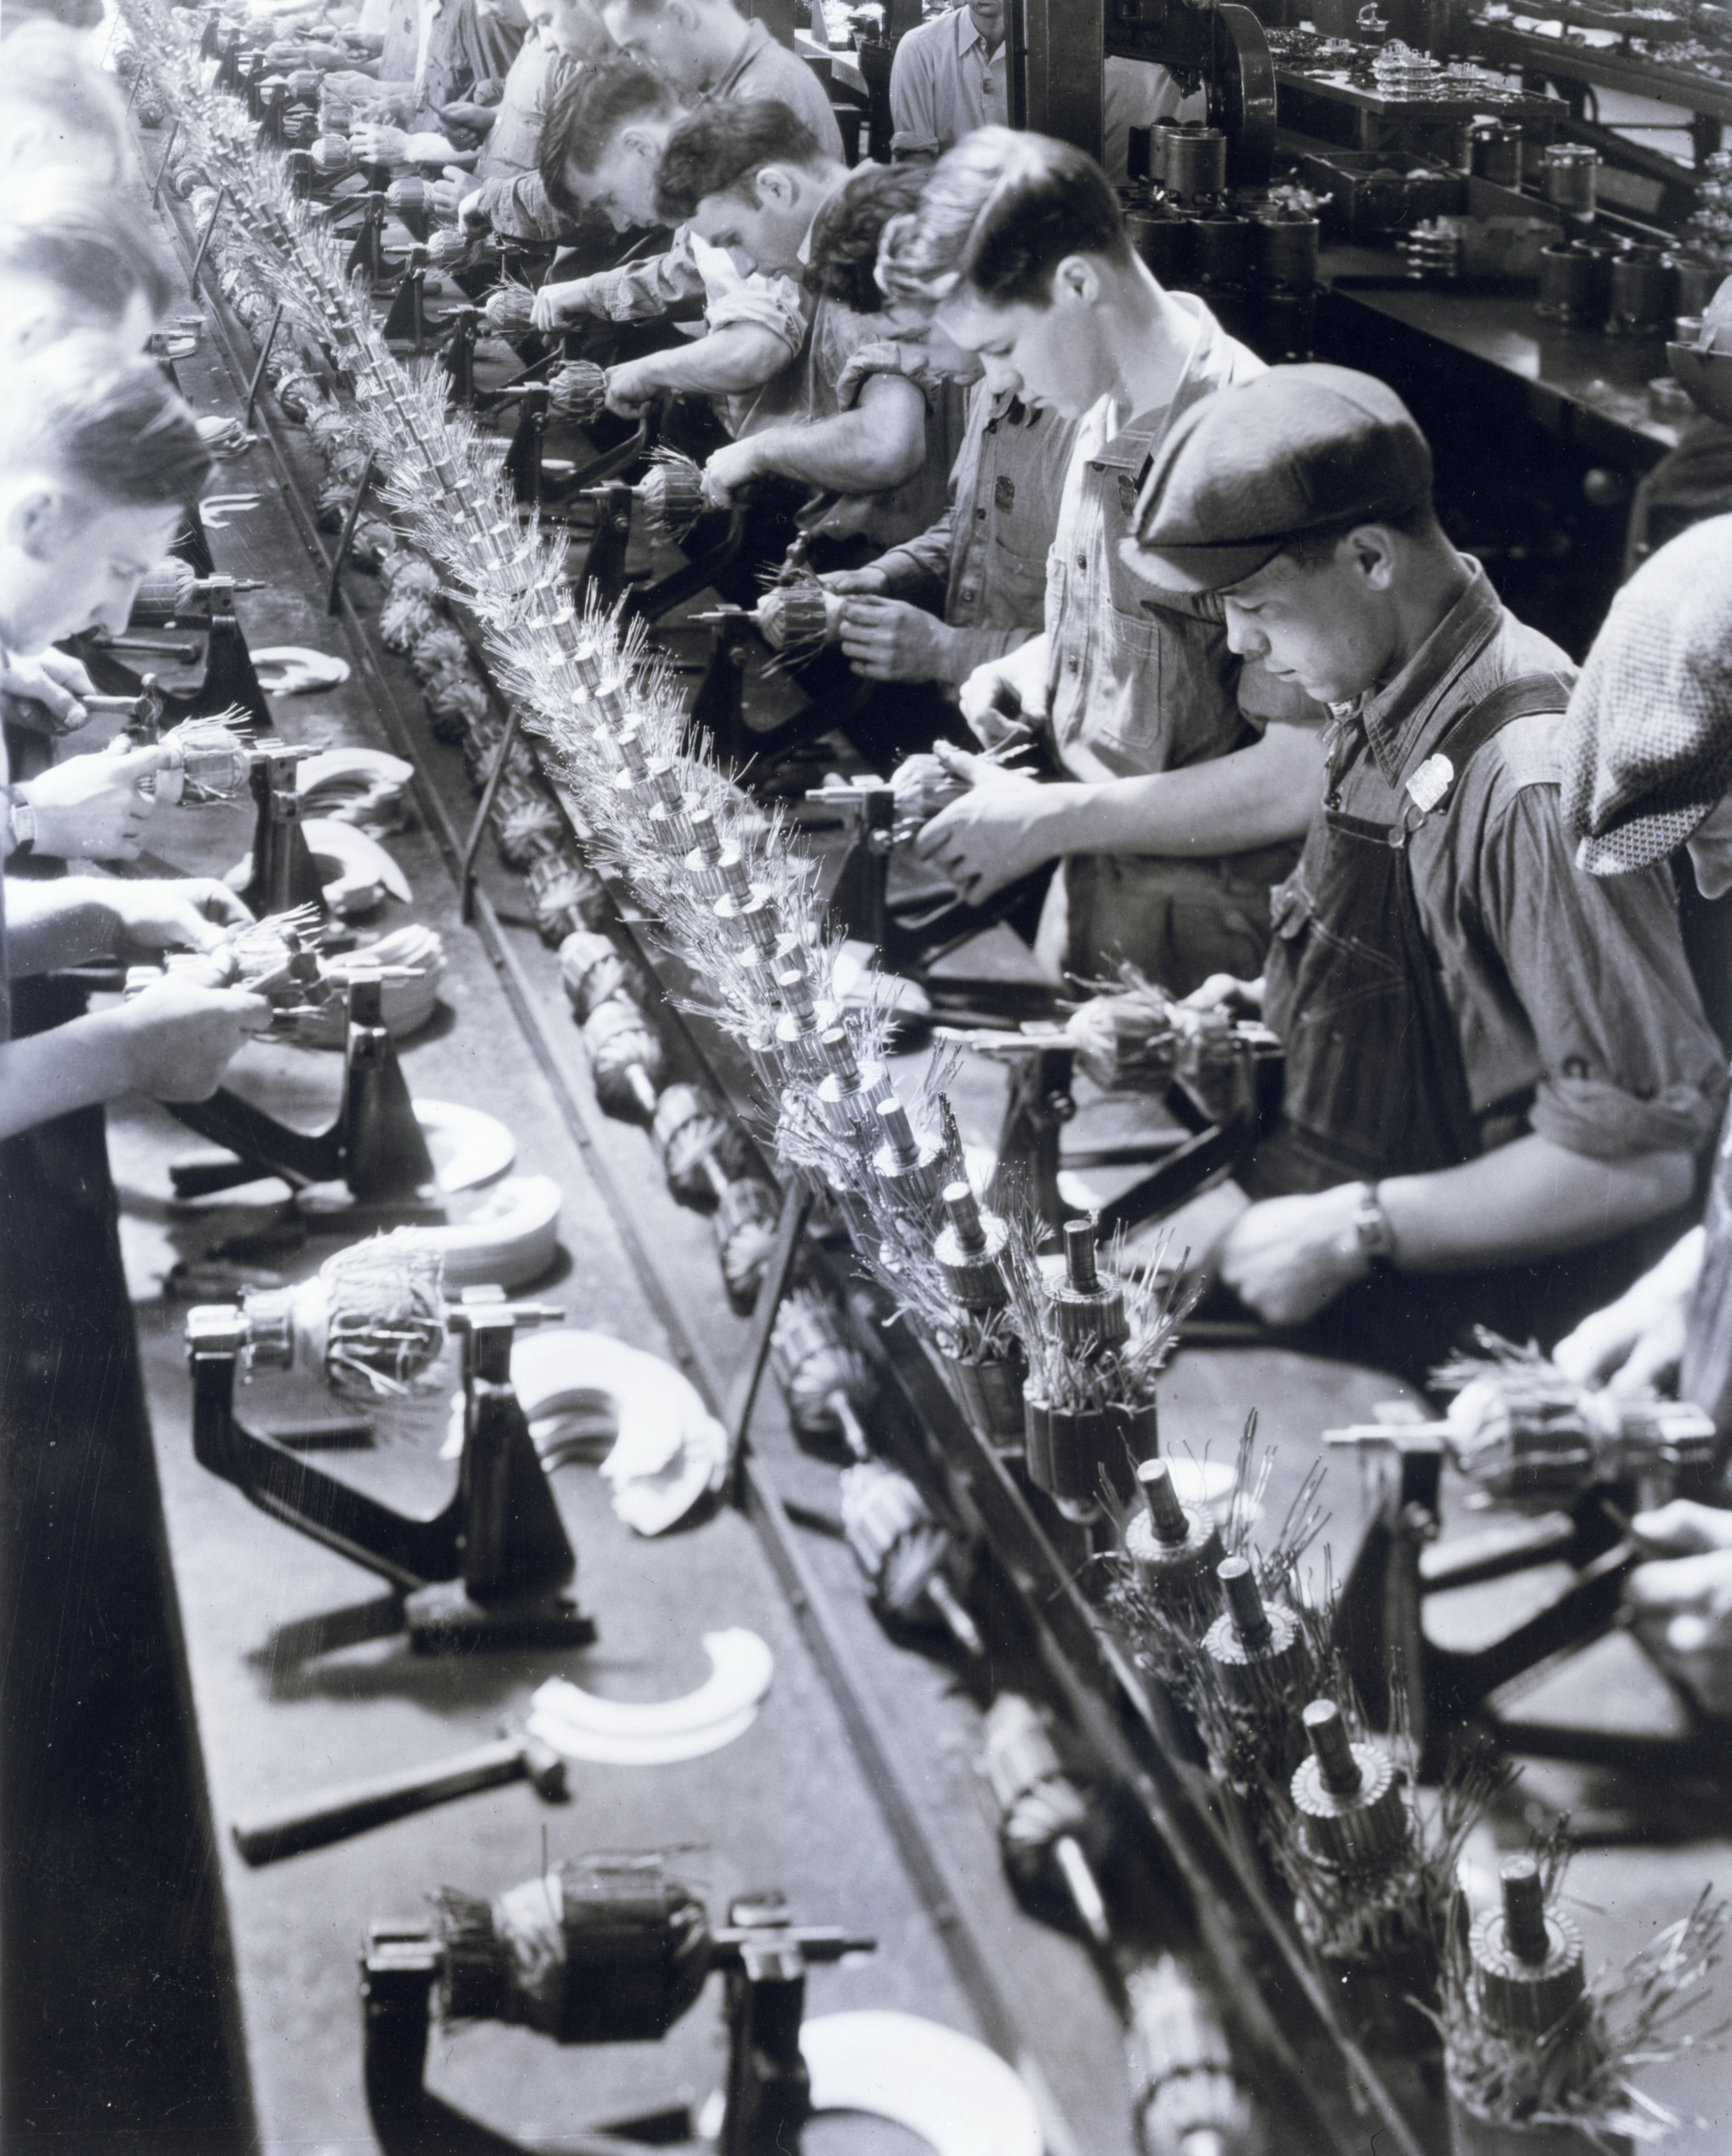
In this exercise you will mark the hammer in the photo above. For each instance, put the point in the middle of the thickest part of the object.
(352, 1807)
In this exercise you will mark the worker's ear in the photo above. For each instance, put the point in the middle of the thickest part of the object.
(776, 188)
(1076, 282)
(682, 13)
(33, 522)
(1370, 549)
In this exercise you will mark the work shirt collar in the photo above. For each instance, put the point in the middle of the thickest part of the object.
(751, 45)
(1207, 366)
(968, 30)
(1399, 719)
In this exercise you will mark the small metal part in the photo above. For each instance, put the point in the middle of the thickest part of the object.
(1087, 1306)
(268, 1315)
(1349, 1803)
(1187, 2103)
(968, 1249)
(671, 811)
(910, 1170)
(1176, 1551)
(752, 921)
(1527, 1958)
(1252, 1644)
(802, 1022)
(849, 1092)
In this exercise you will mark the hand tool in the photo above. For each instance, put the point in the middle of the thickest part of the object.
(351, 1807)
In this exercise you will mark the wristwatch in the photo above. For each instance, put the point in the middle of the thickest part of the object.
(1374, 1234)
(22, 820)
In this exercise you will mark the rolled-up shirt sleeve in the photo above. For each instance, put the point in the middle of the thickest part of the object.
(913, 99)
(1574, 990)
(766, 303)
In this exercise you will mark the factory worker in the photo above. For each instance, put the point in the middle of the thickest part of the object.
(74, 259)
(1188, 776)
(1498, 1071)
(1647, 771)
(706, 48)
(461, 49)
(57, 110)
(832, 420)
(506, 192)
(600, 155)
(744, 181)
(985, 555)
(947, 78)
(98, 458)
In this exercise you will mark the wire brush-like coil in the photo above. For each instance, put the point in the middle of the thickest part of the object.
(745, 1236)
(510, 310)
(690, 1130)
(163, 591)
(594, 972)
(625, 1061)
(577, 391)
(565, 895)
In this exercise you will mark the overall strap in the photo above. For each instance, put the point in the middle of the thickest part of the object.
(1431, 787)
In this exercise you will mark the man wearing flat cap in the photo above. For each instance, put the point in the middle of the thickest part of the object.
(1498, 1071)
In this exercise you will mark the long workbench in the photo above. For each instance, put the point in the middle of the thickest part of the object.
(856, 1790)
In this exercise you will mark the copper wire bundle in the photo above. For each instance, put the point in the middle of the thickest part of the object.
(672, 492)
(577, 390)
(163, 591)
(626, 1062)
(510, 308)
(745, 1233)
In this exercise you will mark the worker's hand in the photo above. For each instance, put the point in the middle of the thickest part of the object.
(1681, 1609)
(1003, 828)
(1288, 1258)
(1635, 1345)
(561, 306)
(476, 118)
(922, 786)
(632, 385)
(872, 578)
(179, 1038)
(94, 807)
(53, 678)
(1227, 992)
(1684, 1528)
(729, 467)
(377, 142)
(446, 196)
(889, 640)
(193, 913)
(997, 700)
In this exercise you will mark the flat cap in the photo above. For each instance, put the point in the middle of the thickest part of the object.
(1249, 470)
(1647, 740)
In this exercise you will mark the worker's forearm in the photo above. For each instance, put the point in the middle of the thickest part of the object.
(1528, 1200)
(67, 922)
(1256, 796)
(727, 363)
(850, 453)
(50, 1074)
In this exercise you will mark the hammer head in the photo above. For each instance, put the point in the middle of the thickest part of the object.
(545, 1769)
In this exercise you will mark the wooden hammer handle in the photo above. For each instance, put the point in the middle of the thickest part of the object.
(352, 1807)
